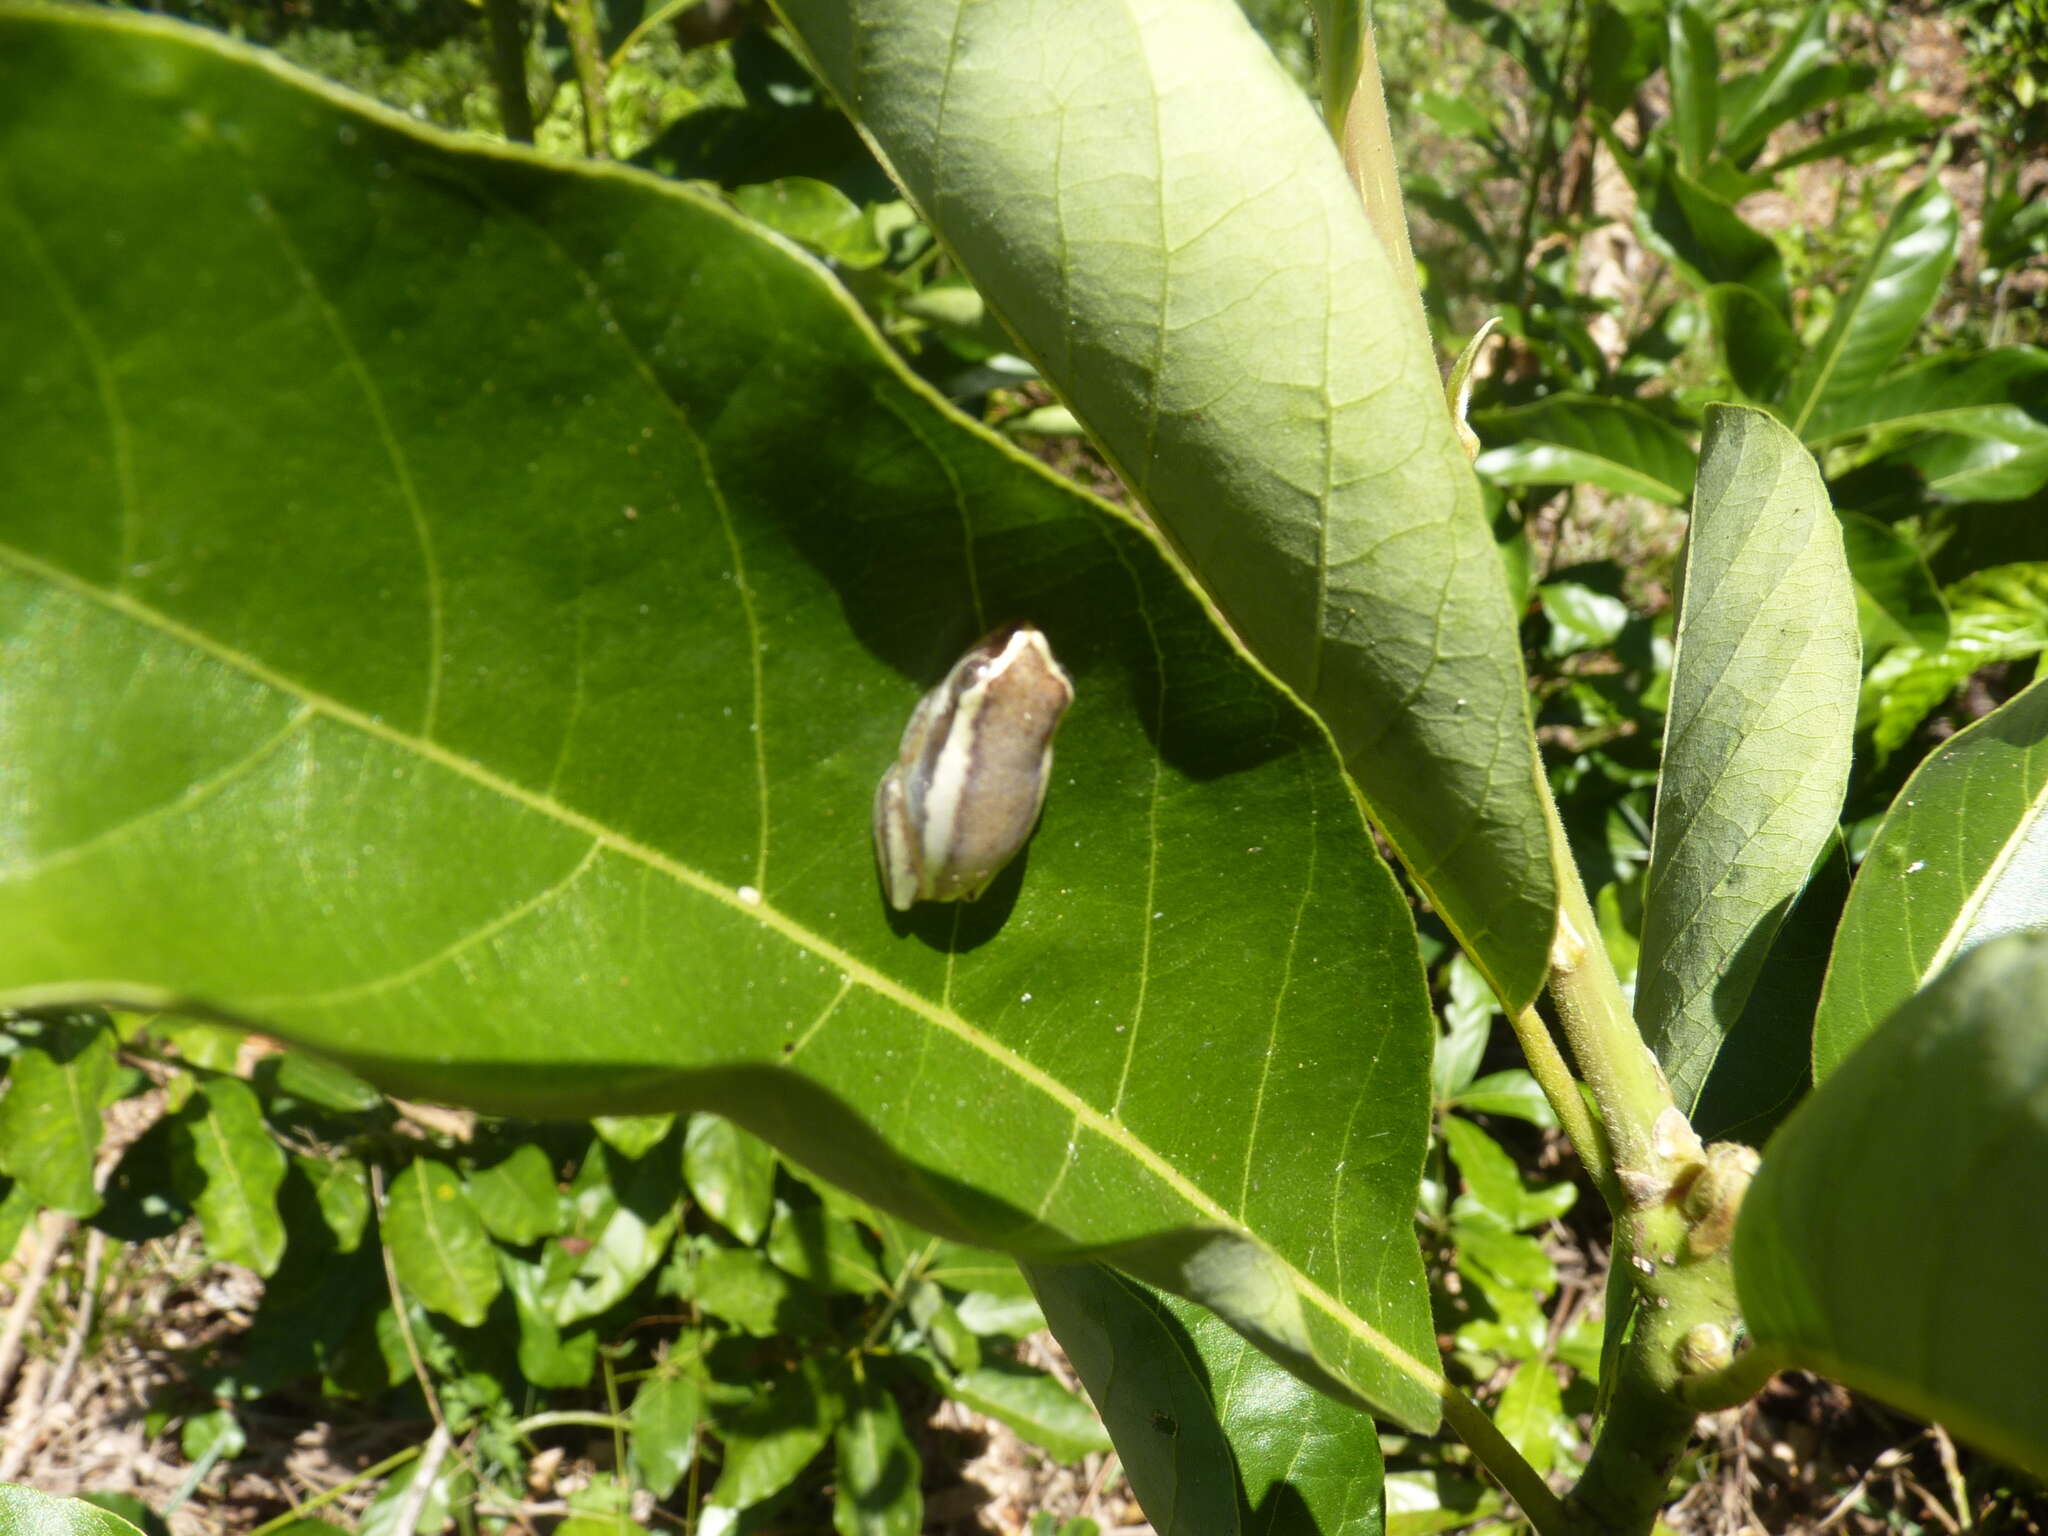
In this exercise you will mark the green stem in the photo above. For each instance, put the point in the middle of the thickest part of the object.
(569, 1418)
(579, 17)
(1554, 1077)
(508, 68)
(328, 1495)
(1502, 1461)
(1735, 1383)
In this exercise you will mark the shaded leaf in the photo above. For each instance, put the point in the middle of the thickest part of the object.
(877, 1468)
(1206, 1426)
(1276, 406)
(1896, 594)
(731, 1174)
(1961, 858)
(773, 1438)
(1034, 1405)
(1531, 1414)
(666, 1413)
(1892, 1238)
(1764, 674)
(824, 1250)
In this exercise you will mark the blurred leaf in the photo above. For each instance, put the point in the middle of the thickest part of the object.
(533, 565)
(877, 1468)
(823, 1250)
(59, 1078)
(1469, 1013)
(1757, 739)
(517, 1198)
(1323, 506)
(1582, 617)
(1891, 1239)
(666, 1413)
(1531, 1414)
(632, 1135)
(1513, 1093)
(814, 214)
(341, 1186)
(1761, 101)
(1213, 1436)
(770, 1441)
(1584, 440)
(436, 1509)
(941, 1325)
(318, 1081)
(438, 1244)
(213, 1436)
(731, 1174)
(1962, 858)
(990, 1316)
(138, 1514)
(549, 1355)
(739, 1286)
(1884, 307)
(1984, 395)
(1623, 49)
(1709, 243)
(1034, 1405)
(237, 1170)
(1501, 30)
(622, 1214)
(28, 1513)
(1494, 1183)
(1896, 594)
(1757, 343)
(1506, 1258)
(1693, 63)
(1995, 615)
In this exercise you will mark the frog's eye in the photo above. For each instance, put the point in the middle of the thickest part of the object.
(969, 779)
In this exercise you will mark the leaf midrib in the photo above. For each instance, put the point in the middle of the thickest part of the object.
(1083, 1113)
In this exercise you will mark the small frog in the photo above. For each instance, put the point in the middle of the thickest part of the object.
(967, 784)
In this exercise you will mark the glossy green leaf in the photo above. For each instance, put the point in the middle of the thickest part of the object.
(517, 1197)
(815, 214)
(1034, 1405)
(667, 1411)
(1756, 103)
(237, 1170)
(876, 1469)
(1961, 858)
(623, 1212)
(1764, 678)
(438, 1243)
(731, 1174)
(539, 778)
(1512, 1092)
(1976, 394)
(549, 1355)
(1893, 1238)
(987, 1315)
(1581, 440)
(59, 1078)
(1884, 306)
(632, 1135)
(1257, 368)
(1896, 594)
(25, 1512)
(770, 1441)
(1204, 1425)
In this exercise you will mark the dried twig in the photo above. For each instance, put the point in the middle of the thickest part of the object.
(53, 1229)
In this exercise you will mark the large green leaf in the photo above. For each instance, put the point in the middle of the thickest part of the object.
(1884, 306)
(1584, 440)
(24, 1512)
(1962, 857)
(1764, 677)
(438, 1244)
(238, 1169)
(1212, 1435)
(1893, 1238)
(531, 567)
(1154, 209)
